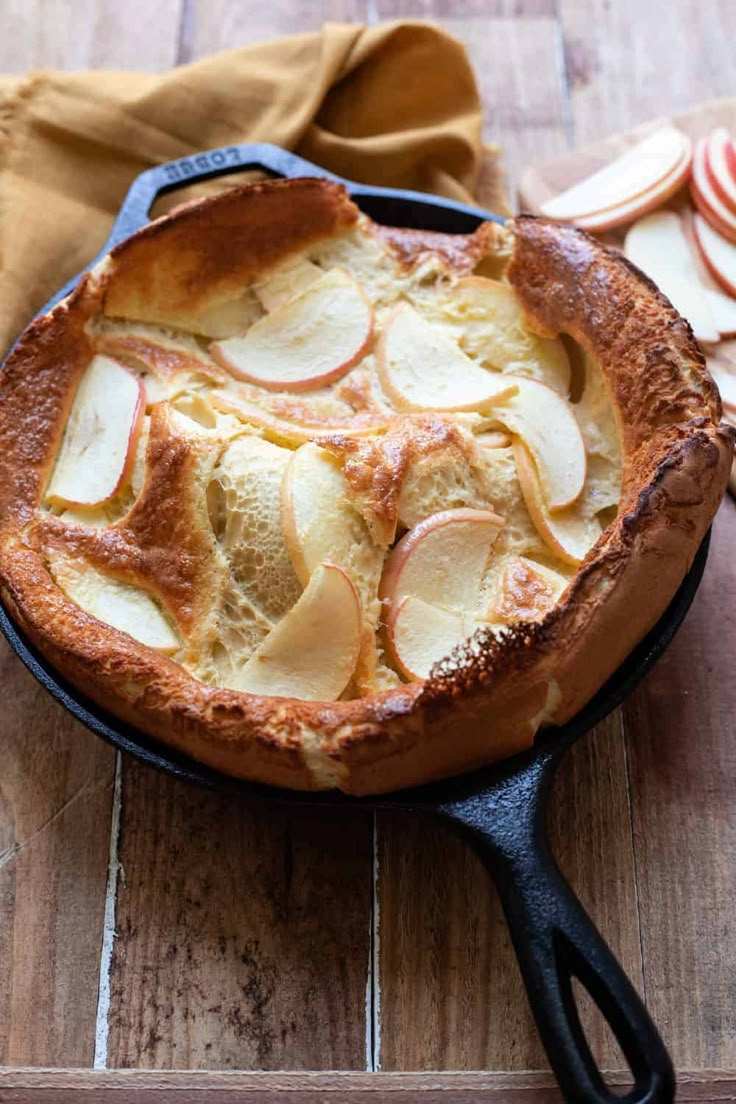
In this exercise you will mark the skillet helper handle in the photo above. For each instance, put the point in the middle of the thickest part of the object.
(147, 187)
(555, 941)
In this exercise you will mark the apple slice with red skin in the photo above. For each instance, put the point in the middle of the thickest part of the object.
(98, 448)
(286, 281)
(421, 367)
(718, 253)
(635, 173)
(313, 650)
(121, 605)
(723, 309)
(309, 341)
(421, 634)
(566, 533)
(642, 204)
(441, 560)
(717, 167)
(657, 244)
(547, 426)
(731, 157)
(726, 384)
(705, 198)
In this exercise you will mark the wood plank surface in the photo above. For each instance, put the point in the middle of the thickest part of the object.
(629, 61)
(451, 995)
(211, 25)
(55, 796)
(246, 937)
(88, 34)
(173, 1087)
(243, 931)
(682, 758)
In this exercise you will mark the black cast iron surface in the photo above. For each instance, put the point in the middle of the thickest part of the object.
(501, 811)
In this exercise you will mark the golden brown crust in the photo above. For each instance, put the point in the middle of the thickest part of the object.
(676, 463)
(217, 246)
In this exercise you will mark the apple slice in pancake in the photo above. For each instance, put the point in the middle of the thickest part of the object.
(421, 367)
(292, 432)
(487, 319)
(523, 590)
(568, 534)
(285, 282)
(547, 426)
(312, 652)
(308, 342)
(125, 607)
(320, 522)
(493, 439)
(441, 560)
(421, 634)
(98, 448)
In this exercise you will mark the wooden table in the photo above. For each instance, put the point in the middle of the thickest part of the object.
(145, 925)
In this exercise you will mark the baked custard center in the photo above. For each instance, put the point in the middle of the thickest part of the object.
(320, 487)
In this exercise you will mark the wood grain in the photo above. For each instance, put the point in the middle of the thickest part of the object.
(243, 932)
(451, 994)
(516, 63)
(683, 779)
(55, 793)
(212, 25)
(629, 61)
(130, 1087)
(446, 10)
(88, 34)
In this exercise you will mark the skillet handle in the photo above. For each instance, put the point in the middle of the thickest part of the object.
(555, 941)
(207, 165)
(146, 188)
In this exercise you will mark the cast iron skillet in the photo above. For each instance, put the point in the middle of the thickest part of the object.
(501, 810)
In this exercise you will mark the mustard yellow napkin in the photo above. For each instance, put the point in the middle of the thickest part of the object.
(394, 104)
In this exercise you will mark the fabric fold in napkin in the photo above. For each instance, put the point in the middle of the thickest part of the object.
(395, 104)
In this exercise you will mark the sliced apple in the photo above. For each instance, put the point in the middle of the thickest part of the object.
(421, 634)
(312, 652)
(566, 533)
(421, 367)
(493, 439)
(723, 309)
(98, 448)
(320, 523)
(292, 433)
(523, 590)
(718, 253)
(726, 384)
(118, 604)
(705, 198)
(547, 426)
(223, 320)
(487, 319)
(717, 166)
(441, 560)
(308, 342)
(285, 282)
(634, 173)
(657, 244)
(641, 204)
